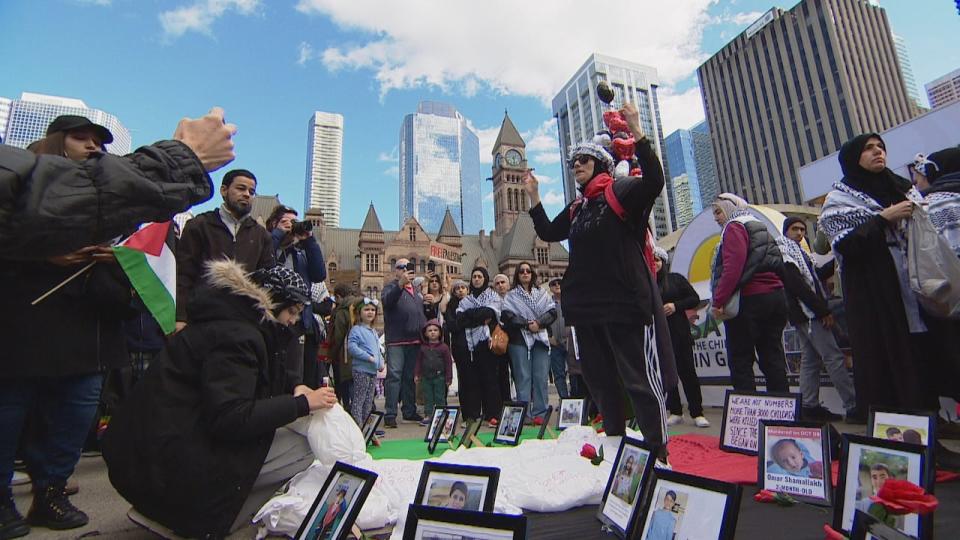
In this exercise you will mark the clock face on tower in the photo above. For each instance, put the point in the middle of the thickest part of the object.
(513, 158)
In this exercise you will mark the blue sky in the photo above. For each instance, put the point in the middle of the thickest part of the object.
(270, 64)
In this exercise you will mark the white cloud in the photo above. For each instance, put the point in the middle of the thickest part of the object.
(306, 53)
(487, 137)
(680, 111)
(743, 18)
(392, 157)
(552, 198)
(392, 171)
(544, 179)
(533, 52)
(200, 16)
(488, 197)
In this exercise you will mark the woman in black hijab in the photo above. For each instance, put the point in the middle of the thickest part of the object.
(894, 342)
(475, 315)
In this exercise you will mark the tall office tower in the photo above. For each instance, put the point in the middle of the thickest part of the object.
(794, 87)
(906, 69)
(579, 115)
(324, 158)
(439, 169)
(4, 116)
(682, 200)
(32, 113)
(690, 154)
(944, 90)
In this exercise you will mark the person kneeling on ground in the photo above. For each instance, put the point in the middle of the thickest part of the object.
(201, 443)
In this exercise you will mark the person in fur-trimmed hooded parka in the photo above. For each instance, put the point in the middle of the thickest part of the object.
(202, 443)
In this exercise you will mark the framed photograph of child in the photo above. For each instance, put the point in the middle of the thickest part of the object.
(794, 458)
(449, 427)
(437, 433)
(868, 527)
(546, 421)
(460, 487)
(470, 433)
(338, 504)
(432, 523)
(573, 412)
(865, 464)
(678, 505)
(371, 424)
(511, 423)
(742, 412)
(621, 503)
(914, 427)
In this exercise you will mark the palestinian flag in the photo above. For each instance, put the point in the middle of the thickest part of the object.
(147, 258)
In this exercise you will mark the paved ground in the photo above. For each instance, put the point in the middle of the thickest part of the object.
(107, 510)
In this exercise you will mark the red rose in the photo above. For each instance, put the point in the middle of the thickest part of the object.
(903, 497)
(764, 496)
(588, 451)
(831, 534)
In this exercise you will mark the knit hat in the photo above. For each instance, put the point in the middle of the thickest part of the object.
(595, 151)
(458, 283)
(432, 322)
(790, 221)
(661, 254)
(284, 285)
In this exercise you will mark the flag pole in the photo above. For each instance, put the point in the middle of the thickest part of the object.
(62, 283)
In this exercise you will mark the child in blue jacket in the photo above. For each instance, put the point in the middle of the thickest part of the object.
(363, 346)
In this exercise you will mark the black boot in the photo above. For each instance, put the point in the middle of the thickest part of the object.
(52, 509)
(12, 524)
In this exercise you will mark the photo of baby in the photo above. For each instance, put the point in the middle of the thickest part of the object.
(794, 457)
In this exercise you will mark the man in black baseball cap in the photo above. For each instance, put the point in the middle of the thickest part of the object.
(71, 122)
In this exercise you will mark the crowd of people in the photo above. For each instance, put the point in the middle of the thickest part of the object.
(202, 421)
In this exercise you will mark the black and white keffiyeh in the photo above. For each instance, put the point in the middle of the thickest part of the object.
(741, 216)
(530, 306)
(793, 254)
(488, 298)
(944, 210)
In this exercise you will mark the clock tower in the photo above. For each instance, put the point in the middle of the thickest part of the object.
(509, 165)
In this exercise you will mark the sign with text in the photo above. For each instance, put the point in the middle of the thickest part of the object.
(794, 458)
(742, 412)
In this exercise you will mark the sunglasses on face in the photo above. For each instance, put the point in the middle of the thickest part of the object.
(525, 271)
(582, 159)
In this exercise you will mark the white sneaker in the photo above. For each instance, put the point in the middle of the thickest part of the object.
(701, 421)
(674, 419)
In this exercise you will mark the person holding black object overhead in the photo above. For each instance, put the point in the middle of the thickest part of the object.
(607, 288)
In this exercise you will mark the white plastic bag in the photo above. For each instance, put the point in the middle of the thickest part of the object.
(333, 436)
(934, 267)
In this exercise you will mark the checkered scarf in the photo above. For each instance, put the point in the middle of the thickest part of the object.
(488, 298)
(530, 306)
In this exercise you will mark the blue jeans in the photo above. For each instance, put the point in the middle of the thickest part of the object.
(558, 366)
(399, 385)
(63, 409)
(530, 371)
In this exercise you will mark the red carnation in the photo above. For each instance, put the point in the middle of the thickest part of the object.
(833, 534)
(588, 451)
(764, 496)
(903, 497)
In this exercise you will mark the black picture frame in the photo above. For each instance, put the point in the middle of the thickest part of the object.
(359, 481)
(437, 433)
(370, 425)
(546, 421)
(911, 419)
(470, 431)
(619, 509)
(864, 523)
(565, 421)
(469, 475)
(434, 418)
(461, 522)
(510, 426)
(726, 510)
(736, 434)
(802, 488)
(853, 446)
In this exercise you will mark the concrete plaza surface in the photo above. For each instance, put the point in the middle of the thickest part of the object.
(108, 511)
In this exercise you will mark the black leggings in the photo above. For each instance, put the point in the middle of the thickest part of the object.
(478, 374)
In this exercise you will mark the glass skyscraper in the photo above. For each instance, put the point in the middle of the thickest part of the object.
(440, 168)
(30, 115)
(690, 154)
(579, 115)
(324, 160)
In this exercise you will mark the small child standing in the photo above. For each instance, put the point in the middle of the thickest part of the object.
(363, 346)
(434, 369)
